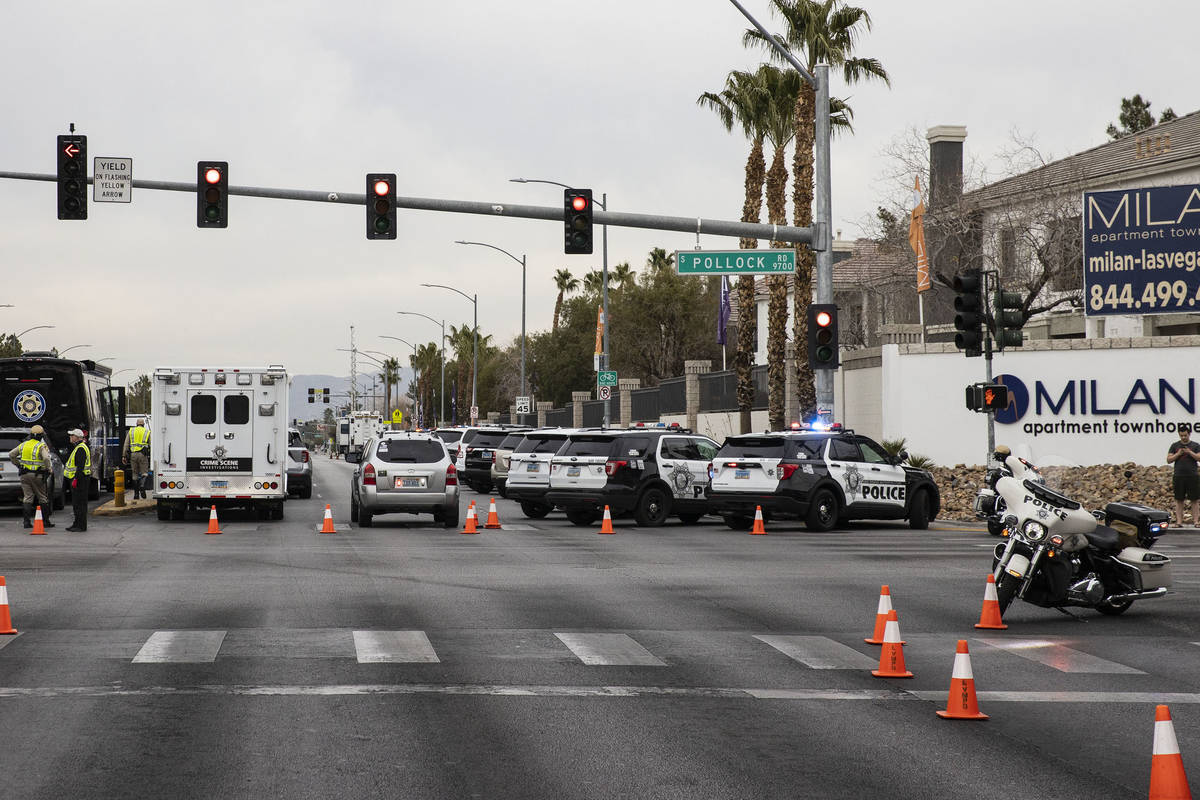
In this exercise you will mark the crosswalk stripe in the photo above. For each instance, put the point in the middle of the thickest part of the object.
(819, 652)
(398, 647)
(608, 649)
(180, 647)
(1060, 657)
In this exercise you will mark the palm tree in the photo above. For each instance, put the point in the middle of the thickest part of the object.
(660, 261)
(593, 282)
(622, 276)
(743, 102)
(783, 87)
(389, 376)
(818, 32)
(566, 283)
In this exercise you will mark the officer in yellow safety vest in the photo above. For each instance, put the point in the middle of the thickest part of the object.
(137, 456)
(78, 471)
(32, 458)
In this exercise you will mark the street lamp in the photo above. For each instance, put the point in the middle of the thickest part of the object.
(603, 202)
(356, 352)
(520, 261)
(475, 344)
(72, 347)
(34, 328)
(442, 396)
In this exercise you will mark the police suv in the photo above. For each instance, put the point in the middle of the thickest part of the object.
(655, 473)
(822, 476)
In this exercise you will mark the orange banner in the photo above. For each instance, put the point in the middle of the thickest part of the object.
(916, 239)
(599, 330)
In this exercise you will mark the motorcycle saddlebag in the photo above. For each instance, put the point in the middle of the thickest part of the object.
(1133, 522)
(1154, 568)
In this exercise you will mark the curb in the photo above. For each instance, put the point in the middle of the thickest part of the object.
(131, 507)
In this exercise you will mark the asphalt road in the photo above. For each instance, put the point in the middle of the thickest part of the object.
(546, 661)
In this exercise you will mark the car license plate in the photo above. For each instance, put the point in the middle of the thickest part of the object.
(572, 472)
(741, 474)
(410, 483)
(531, 467)
(218, 484)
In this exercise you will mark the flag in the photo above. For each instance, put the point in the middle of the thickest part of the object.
(600, 330)
(916, 238)
(724, 311)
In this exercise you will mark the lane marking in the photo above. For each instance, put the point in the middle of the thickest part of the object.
(1060, 657)
(394, 647)
(180, 647)
(609, 649)
(820, 652)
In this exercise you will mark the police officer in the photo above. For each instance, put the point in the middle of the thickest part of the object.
(78, 470)
(137, 455)
(32, 458)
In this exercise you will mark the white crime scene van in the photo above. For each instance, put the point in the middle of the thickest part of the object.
(219, 437)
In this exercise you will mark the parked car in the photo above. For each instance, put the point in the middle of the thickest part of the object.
(402, 472)
(10, 479)
(299, 466)
(655, 473)
(502, 459)
(480, 454)
(529, 469)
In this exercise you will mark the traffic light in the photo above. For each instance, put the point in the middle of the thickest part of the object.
(311, 395)
(381, 205)
(577, 221)
(822, 336)
(987, 397)
(212, 194)
(1010, 317)
(72, 177)
(326, 394)
(968, 307)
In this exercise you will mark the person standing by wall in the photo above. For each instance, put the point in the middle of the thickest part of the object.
(1185, 481)
(78, 472)
(137, 456)
(32, 458)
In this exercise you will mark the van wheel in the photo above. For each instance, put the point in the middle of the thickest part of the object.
(653, 508)
(918, 514)
(822, 512)
(534, 510)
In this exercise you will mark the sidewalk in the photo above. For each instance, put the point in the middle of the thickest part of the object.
(131, 506)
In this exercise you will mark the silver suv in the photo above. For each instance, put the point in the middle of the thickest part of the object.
(403, 472)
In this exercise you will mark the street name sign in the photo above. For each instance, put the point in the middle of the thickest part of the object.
(112, 179)
(735, 262)
(606, 378)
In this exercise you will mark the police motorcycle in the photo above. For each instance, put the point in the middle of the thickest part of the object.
(989, 505)
(1056, 554)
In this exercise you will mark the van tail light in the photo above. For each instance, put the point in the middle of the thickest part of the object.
(451, 475)
(611, 467)
(786, 470)
(369, 475)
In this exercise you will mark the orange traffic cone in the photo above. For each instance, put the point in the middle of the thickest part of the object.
(327, 525)
(961, 702)
(885, 605)
(758, 522)
(493, 521)
(1168, 781)
(606, 523)
(212, 521)
(989, 617)
(39, 527)
(891, 657)
(470, 526)
(5, 617)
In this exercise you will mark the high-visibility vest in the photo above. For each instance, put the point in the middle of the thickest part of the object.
(138, 438)
(69, 469)
(33, 455)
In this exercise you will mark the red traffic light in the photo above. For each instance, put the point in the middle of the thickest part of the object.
(579, 202)
(212, 175)
(823, 319)
(383, 188)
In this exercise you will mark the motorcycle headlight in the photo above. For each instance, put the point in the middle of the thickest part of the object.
(1034, 531)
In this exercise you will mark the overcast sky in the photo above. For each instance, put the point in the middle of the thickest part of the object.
(457, 97)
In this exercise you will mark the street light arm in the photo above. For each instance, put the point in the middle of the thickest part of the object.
(398, 339)
(72, 347)
(555, 183)
(34, 328)
(363, 353)
(520, 261)
(441, 322)
(451, 288)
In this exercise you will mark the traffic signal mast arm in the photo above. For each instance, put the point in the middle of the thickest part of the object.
(714, 227)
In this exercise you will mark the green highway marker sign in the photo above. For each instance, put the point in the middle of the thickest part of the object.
(735, 262)
(606, 378)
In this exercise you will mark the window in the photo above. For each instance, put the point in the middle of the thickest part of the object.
(873, 453)
(588, 446)
(841, 450)
(237, 409)
(679, 448)
(511, 441)
(417, 451)
(1064, 240)
(752, 447)
(204, 409)
(488, 439)
(1008, 253)
(536, 444)
(708, 450)
(295, 439)
(808, 449)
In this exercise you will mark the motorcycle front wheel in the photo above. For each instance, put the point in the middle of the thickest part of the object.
(1006, 589)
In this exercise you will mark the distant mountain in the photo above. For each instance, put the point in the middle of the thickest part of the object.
(339, 394)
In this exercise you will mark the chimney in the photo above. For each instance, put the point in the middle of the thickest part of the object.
(945, 164)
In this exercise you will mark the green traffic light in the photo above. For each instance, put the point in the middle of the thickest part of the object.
(382, 225)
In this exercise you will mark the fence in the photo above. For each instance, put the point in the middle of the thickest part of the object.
(559, 417)
(593, 413)
(672, 396)
(644, 403)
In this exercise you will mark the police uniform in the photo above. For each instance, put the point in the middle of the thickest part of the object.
(32, 459)
(78, 470)
(137, 455)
